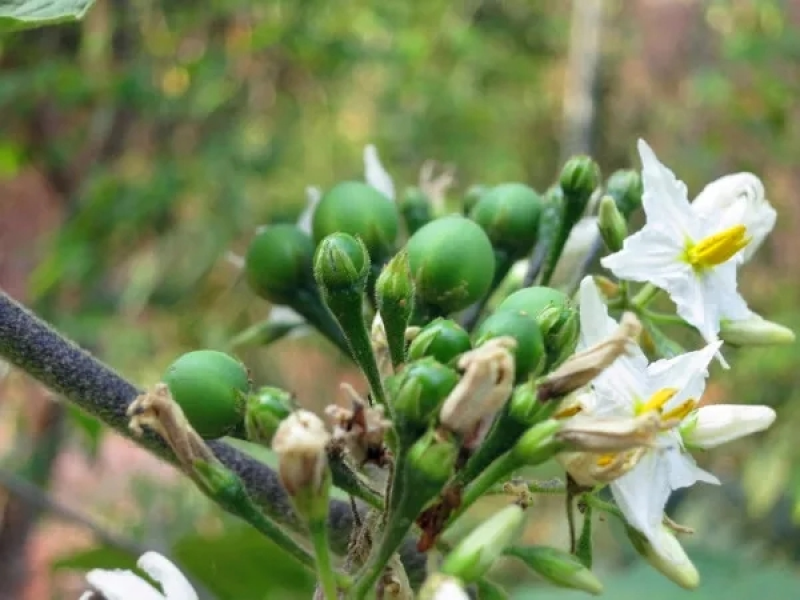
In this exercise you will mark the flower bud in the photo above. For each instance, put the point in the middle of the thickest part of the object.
(625, 187)
(279, 262)
(452, 263)
(394, 294)
(669, 559)
(612, 225)
(341, 262)
(479, 550)
(716, 424)
(538, 444)
(431, 460)
(579, 179)
(300, 444)
(556, 315)
(417, 393)
(558, 567)
(509, 214)
(360, 210)
(265, 410)
(529, 354)
(608, 288)
(524, 407)
(210, 387)
(443, 339)
(416, 209)
(483, 389)
(755, 331)
(442, 587)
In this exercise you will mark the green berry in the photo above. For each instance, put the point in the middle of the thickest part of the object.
(279, 262)
(530, 355)
(442, 339)
(358, 209)
(210, 387)
(509, 213)
(452, 263)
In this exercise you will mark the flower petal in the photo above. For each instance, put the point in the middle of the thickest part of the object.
(122, 585)
(717, 424)
(596, 324)
(173, 582)
(313, 196)
(720, 285)
(651, 254)
(642, 494)
(375, 174)
(687, 373)
(738, 199)
(665, 199)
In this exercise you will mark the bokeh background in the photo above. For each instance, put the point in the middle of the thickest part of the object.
(140, 149)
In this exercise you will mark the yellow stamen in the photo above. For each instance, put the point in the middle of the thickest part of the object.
(605, 459)
(717, 248)
(656, 401)
(679, 413)
(569, 411)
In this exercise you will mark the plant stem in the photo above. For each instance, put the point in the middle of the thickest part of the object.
(327, 578)
(310, 306)
(646, 294)
(503, 466)
(345, 478)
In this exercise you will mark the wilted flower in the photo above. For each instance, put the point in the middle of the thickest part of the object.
(300, 445)
(118, 584)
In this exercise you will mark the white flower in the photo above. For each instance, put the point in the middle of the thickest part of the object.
(118, 584)
(631, 387)
(716, 424)
(738, 199)
(313, 196)
(690, 253)
(374, 173)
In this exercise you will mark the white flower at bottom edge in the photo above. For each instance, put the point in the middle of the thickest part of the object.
(690, 253)
(118, 584)
(631, 387)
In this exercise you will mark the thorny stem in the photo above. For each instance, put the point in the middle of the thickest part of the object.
(33, 346)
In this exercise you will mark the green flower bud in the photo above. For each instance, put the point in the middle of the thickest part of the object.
(558, 567)
(755, 331)
(625, 187)
(279, 262)
(431, 461)
(394, 294)
(529, 355)
(473, 194)
(443, 339)
(477, 552)
(265, 409)
(210, 388)
(579, 179)
(341, 261)
(417, 393)
(538, 444)
(452, 263)
(556, 315)
(524, 406)
(416, 209)
(509, 214)
(612, 225)
(360, 210)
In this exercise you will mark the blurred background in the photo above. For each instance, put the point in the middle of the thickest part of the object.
(142, 147)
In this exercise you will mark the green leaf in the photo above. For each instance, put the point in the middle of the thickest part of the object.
(16, 15)
(240, 563)
(91, 429)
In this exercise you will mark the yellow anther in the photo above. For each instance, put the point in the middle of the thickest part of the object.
(717, 248)
(656, 401)
(569, 411)
(605, 459)
(679, 413)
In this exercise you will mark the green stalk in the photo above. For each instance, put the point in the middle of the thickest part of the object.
(318, 528)
(309, 305)
(646, 294)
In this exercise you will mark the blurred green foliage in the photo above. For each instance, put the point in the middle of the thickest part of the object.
(169, 131)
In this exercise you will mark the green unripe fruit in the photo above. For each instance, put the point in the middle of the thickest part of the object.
(452, 263)
(341, 261)
(441, 339)
(555, 314)
(417, 393)
(509, 213)
(264, 412)
(279, 262)
(625, 187)
(416, 209)
(358, 209)
(529, 356)
(474, 193)
(210, 387)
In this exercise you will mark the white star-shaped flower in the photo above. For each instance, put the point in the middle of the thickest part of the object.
(692, 251)
(118, 584)
(631, 386)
